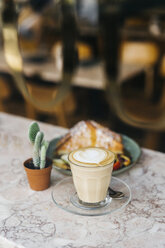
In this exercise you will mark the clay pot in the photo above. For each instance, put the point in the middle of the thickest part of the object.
(39, 179)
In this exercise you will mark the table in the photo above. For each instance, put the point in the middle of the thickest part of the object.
(29, 219)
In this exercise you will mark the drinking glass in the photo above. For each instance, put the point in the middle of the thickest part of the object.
(91, 181)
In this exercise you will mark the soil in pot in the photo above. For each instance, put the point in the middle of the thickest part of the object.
(39, 179)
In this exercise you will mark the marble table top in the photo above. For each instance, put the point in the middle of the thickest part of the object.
(30, 219)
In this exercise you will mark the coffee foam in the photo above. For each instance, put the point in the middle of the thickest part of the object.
(91, 156)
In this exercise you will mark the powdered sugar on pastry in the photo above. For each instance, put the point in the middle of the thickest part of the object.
(89, 133)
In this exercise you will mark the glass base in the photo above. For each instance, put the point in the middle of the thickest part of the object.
(65, 197)
(85, 205)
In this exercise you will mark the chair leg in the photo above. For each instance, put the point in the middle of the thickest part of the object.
(151, 140)
(2, 109)
(61, 116)
(149, 83)
(30, 111)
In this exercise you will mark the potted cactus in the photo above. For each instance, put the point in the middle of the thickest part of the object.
(38, 168)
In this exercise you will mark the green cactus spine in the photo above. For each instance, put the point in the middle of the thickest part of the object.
(33, 130)
(36, 149)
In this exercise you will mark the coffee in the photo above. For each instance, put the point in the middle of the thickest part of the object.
(91, 169)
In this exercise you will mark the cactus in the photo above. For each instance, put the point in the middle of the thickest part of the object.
(33, 130)
(40, 145)
(45, 143)
(43, 157)
(36, 149)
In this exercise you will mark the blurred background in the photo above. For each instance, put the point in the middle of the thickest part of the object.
(125, 45)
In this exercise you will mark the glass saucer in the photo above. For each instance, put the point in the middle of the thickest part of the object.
(65, 197)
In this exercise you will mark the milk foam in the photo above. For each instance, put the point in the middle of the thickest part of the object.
(90, 155)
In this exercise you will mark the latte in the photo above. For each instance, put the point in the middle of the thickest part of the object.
(91, 156)
(91, 169)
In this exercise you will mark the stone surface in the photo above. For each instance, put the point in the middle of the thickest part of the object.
(30, 219)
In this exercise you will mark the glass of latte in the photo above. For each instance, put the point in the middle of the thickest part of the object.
(91, 169)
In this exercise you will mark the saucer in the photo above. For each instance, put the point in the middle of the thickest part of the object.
(65, 197)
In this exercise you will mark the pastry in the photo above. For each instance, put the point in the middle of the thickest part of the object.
(89, 133)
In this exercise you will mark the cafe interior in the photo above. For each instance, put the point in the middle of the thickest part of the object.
(61, 68)
(82, 123)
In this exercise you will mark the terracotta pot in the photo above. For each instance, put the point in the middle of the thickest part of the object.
(39, 179)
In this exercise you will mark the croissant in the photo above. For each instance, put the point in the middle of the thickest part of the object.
(89, 133)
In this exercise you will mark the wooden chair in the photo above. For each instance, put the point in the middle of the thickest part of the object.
(45, 93)
(144, 55)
